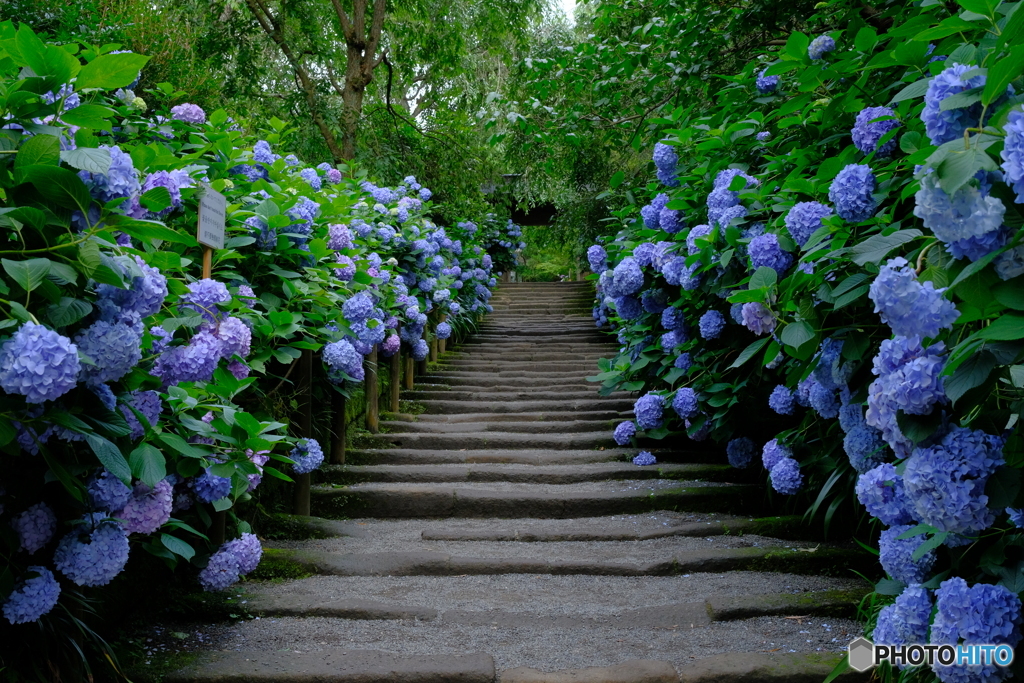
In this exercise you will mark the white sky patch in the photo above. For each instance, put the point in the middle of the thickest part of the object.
(569, 7)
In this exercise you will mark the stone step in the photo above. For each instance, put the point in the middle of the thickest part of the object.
(517, 500)
(526, 427)
(437, 391)
(552, 474)
(440, 372)
(448, 406)
(426, 456)
(605, 415)
(486, 380)
(482, 440)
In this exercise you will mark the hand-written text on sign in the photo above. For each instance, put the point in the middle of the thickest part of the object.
(212, 217)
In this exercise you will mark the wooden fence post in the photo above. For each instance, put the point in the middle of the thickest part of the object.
(305, 383)
(372, 393)
(409, 372)
(396, 380)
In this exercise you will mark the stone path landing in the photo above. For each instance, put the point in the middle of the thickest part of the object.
(503, 536)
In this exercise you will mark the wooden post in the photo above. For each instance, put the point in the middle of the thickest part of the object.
(305, 384)
(339, 406)
(207, 263)
(372, 393)
(396, 380)
(409, 373)
(218, 530)
(433, 350)
(421, 367)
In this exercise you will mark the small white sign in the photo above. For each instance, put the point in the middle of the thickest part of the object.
(213, 209)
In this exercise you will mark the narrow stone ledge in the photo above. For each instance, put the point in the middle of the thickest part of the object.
(634, 671)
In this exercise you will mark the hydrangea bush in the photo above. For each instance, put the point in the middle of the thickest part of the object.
(847, 301)
(104, 299)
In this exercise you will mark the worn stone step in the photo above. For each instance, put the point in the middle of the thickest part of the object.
(497, 394)
(527, 427)
(552, 474)
(441, 373)
(632, 671)
(605, 415)
(775, 667)
(336, 665)
(447, 406)
(498, 440)
(533, 456)
(514, 500)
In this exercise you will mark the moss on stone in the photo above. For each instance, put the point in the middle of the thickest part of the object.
(278, 565)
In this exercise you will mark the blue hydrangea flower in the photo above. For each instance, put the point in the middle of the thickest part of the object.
(204, 296)
(944, 126)
(804, 219)
(1013, 153)
(358, 307)
(1016, 516)
(946, 482)
(757, 318)
(763, 136)
(144, 296)
(908, 378)
(905, 621)
(92, 554)
(671, 221)
(883, 495)
(367, 334)
(149, 404)
(740, 451)
(781, 400)
(682, 362)
(673, 319)
(208, 487)
(629, 279)
(711, 324)
(765, 251)
(766, 84)
(896, 555)
(311, 177)
(773, 452)
(420, 350)
(35, 527)
(645, 458)
(867, 131)
(719, 201)
(628, 308)
(911, 308)
(32, 597)
(666, 160)
(786, 477)
(307, 455)
(194, 362)
(443, 331)
(172, 181)
(982, 613)
(148, 509)
(598, 258)
(685, 403)
(851, 190)
(654, 301)
(342, 359)
(114, 348)
(648, 410)
(624, 432)
(221, 571)
(724, 178)
(107, 492)
(864, 446)
(38, 364)
(969, 214)
(247, 551)
(820, 46)
(120, 180)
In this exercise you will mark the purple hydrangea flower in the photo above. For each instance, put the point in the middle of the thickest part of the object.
(765, 251)
(420, 350)
(247, 550)
(781, 400)
(333, 176)
(35, 527)
(339, 237)
(120, 180)
(107, 492)
(235, 337)
(194, 362)
(740, 451)
(851, 190)
(911, 308)
(115, 348)
(946, 482)
(221, 571)
(867, 131)
(38, 364)
(204, 296)
(392, 344)
(757, 318)
(261, 152)
(624, 432)
(149, 404)
(148, 509)
(648, 410)
(307, 455)
(644, 459)
(1013, 153)
(32, 597)
(711, 324)
(94, 552)
(172, 181)
(766, 84)
(786, 477)
(358, 307)
(944, 126)
(820, 46)
(773, 452)
(685, 403)
(804, 219)
(598, 258)
(883, 495)
(189, 113)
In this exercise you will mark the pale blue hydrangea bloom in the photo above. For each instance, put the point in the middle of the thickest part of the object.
(763, 136)
(121, 180)
(851, 190)
(624, 432)
(765, 251)
(420, 350)
(773, 452)
(911, 308)
(671, 221)
(311, 177)
(189, 113)
(666, 160)
(221, 571)
(307, 455)
(629, 279)
(598, 258)
(864, 447)
(648, 411)
(896, 555)
(804, 219)
(944, 126)
(443, 331)
(114, 348)
(38, 364)
(247, 551)
(209, 487)
(786, 477)
(644, 459)
(982, 613)
(1013, 153)
(342, 359)
(766, 84)
(820, 46)
(711, 324)
(781, 400)
(905, 621)
(685, 403)
(968, 222)
(204, 297)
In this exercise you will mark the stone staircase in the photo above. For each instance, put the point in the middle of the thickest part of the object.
(501, 535)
